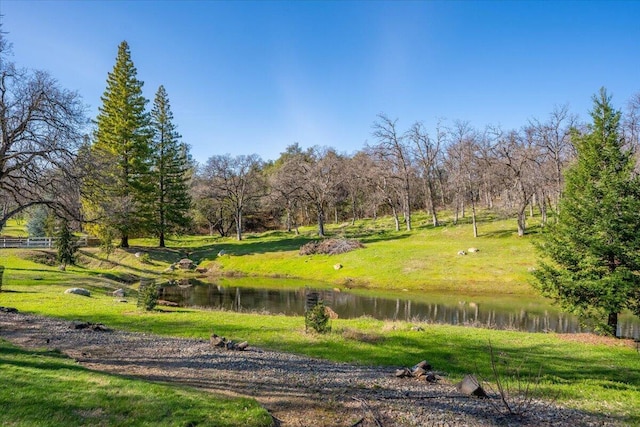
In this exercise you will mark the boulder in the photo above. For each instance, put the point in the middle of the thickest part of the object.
(168, 303)
(185, 264)
(431, 377)
(78, 291)
(473, 250)
(329, 312)
(201, 270)
(462, 253)
(118, 293)
(222, 252)
(402, 373)
(337, 266)
(97, 327)
(423, 365)
(470, 386)
(217, 341)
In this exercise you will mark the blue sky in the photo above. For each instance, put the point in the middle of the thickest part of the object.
(254, 77)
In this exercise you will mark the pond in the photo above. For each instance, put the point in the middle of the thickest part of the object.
(531, 314)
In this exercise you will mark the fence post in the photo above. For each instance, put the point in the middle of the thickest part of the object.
(1, 274)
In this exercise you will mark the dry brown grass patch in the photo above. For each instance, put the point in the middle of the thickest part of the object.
(365, 337)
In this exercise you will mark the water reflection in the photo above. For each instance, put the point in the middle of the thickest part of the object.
(493, 313)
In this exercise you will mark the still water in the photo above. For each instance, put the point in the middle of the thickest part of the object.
(503, 312)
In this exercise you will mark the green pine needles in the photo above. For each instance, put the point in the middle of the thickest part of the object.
(590, 259)
(137, 169)
(317, 318)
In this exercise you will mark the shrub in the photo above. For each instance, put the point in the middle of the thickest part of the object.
(514, 385)
(148, 294)
(66, 245)
(317, 319)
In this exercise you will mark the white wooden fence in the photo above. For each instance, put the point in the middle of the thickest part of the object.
(35, 242)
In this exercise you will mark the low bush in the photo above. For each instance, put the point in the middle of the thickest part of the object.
(317, 319)
(148, 294)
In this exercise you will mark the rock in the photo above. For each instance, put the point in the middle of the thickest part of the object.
(168, 303)
(118, 293)
(217, 341)
(201, 270)
(8, 310)
(97, 327)
(185, 264)
(423, 365)
(473, 250)
(337, 266)
(222, 252)
(62, 267)
(78, 291)
(462, 253)
(418, 372)
(329, 312)
(470, 386)
(417, 328)
(402, 373)
(138, 254)
(431, 377)
(242, 346)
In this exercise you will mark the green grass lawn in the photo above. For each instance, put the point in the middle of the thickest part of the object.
(44, 388)
(599, 378)
(602, 379)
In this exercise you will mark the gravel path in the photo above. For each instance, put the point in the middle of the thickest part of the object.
(298, 391)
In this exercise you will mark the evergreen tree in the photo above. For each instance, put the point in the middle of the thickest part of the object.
(65, 244)
(170, 165)
(590, 259)
(119, 185)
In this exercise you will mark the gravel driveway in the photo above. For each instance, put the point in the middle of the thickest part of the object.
(297, 390)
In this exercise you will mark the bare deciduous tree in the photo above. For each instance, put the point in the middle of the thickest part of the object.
(392, 152)
(40, 129)
(427, 154)
(237, 181)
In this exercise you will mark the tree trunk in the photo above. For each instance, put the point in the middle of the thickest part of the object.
(395, 218)
(239, 224)
(407, 212)
(288, 221)
(522, 221)
(161, 243)
(124, 241)
(473, 217)
(320, 221)
(612, 322)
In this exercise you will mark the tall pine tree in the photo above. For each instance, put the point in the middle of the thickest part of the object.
(119, 184)
(590, 259)
(171, 167)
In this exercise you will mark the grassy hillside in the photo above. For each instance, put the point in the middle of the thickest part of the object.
(423, 259)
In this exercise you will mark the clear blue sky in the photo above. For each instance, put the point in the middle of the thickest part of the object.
(254, 77)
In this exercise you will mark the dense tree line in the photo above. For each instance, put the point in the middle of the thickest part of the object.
(457, 167)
